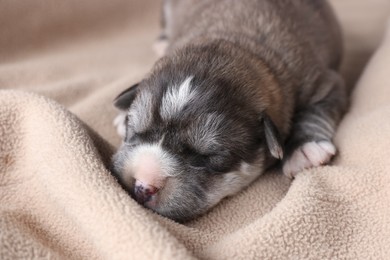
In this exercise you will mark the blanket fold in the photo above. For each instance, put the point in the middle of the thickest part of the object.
(55, 185)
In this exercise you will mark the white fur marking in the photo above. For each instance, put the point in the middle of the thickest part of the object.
(176, 98)
(311, 154)
(140, 113)
(119, 123)
(166, 162)
(206, 133)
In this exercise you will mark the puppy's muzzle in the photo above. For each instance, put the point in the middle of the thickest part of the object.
(149, 178)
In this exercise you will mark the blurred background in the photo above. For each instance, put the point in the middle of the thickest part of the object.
(82, 53)
(37, 25)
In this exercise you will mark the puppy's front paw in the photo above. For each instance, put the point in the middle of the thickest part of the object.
(120, 124)
(310, 154)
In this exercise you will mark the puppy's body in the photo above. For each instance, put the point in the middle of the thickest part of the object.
(298, 43)
(239, 79)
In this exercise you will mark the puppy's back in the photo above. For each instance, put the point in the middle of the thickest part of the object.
(293, 33)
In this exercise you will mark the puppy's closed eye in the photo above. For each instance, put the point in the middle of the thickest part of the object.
(216, 162)
(196, 160)
(220, 163)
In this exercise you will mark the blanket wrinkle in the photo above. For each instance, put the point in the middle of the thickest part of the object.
(62, 150)
(58, 199)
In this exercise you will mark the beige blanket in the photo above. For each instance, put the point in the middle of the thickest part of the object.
(58, 200)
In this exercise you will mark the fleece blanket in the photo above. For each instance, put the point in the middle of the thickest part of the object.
(61, 65)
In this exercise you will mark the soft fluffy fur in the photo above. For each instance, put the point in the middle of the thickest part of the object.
(240, 79)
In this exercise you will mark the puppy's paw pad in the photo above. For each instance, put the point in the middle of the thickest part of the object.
(120, 124)
(311, 154)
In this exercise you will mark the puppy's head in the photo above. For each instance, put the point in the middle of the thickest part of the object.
(190, 141)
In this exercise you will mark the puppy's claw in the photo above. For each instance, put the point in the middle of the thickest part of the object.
(310, 154)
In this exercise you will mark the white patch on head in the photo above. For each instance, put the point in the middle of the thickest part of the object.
(206, 131)
(209, 131)
(234, 182)
(176, 98)
(151, 164)
(310, 154)
(140, 112)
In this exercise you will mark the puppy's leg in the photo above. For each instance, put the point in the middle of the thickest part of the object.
(161, 44)
(310, 143)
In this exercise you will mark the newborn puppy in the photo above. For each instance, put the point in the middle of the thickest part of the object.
(242, 85)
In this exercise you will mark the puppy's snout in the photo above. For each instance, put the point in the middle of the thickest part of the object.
(149, 178)
(144, 192)
(147, 170)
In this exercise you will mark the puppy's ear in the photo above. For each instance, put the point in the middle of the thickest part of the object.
(124, 99)
(272, 137)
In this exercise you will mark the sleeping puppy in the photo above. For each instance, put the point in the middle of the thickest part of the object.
(242, 85)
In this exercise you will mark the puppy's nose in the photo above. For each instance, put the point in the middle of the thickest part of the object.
(144, 192)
